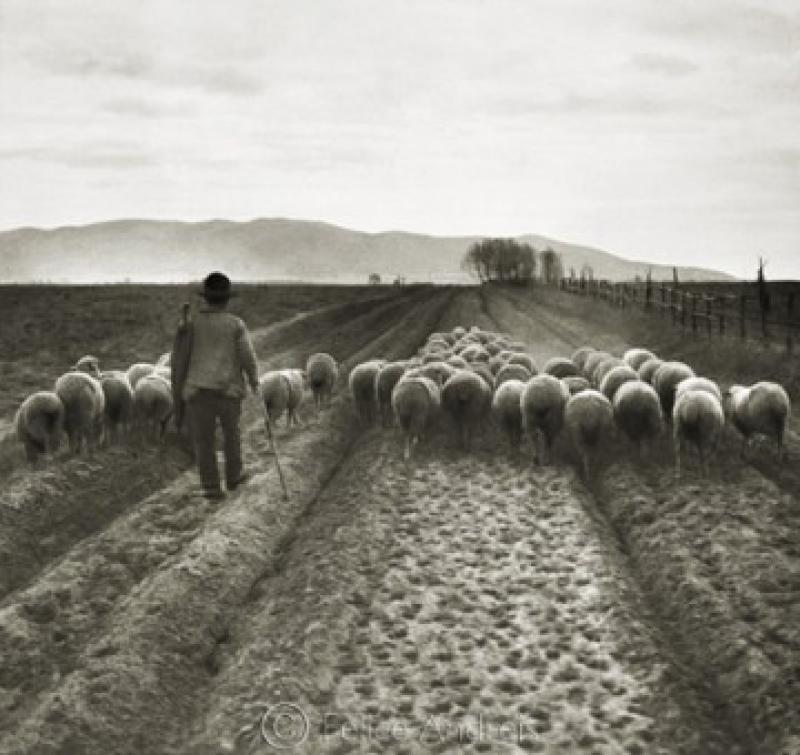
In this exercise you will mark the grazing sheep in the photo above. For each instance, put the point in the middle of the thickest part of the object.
(84, 405)
(560, 367)
(152, 406)
(385, 381)
(362, 388)
(466, 398)
(635, 358)
(576, 384)
(697, 418)
(589, 420)
(137, 371)
(88, 364)
(483, 371)
(615, 378)
(698, 384)
(118, 403)
(543, 402)
(761, 409)
(526, 360)
(648, 369)
(666, 380)
(164, 360)
(637, 411)
(415, 403)
(579, 356)
(603, 369)
(458, 331)
(39, 423)
(282, 391)
(592, 361)
(506, 409)
(321, 374)
(512, 372)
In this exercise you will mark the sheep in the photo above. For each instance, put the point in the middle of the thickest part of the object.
(415, 403)
(576, 384)
(321, 373)
(589, 421)
(152, 406)
(506, 409)
(760, 409)
(458, 331)
(560, 367)
(39, 423)
(282, 391)
(698, 384)
(88, 364)
(512, 372)
(525, 360)
(84, 405)
(165, 360)
(604, 368)
(637, 411)
(636, 357)
(483, 372)
(457, 361)
(493, 348)
(475, 353)
(118, 402)
(697, 417)
(362, 388)
(466, 398)
(137, 371)
(648, 369)
(592, 361)
(496, 363)
(437, 371)
(164, 372)
(615, 378)
(666, 380)
(579, 356)
(385, 381)
(435, 356)
(542, 404)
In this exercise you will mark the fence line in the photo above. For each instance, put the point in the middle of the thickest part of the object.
(716, 314)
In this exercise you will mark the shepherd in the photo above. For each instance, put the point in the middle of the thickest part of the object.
(212, 357)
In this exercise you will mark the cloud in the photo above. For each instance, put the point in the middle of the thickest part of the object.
(93, 156)
(668, 65)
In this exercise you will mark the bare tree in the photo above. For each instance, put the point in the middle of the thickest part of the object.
(504, 260)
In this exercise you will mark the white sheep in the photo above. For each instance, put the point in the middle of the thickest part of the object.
(526, 360)
(385, 381)
(697, 418)
(760, 409)
(589, 422)
(321, 373)
(39, 423)
(362, 388)
(637, 411)
(592, 361)
(579, 356)
(282, 392)
(506, 409)
(165, 360)
(576, 384)
(437, 371)
(496, 363)
(616, 377)
(666, 380)
(459, 331)
(542, 403)
(475, 353)
(648, 369)
(88, 364)
(457, 361)
(415, 403)
(84, 406)
(603, 369)
(118, 402)
(466, 398)
(137, 371)
(512, 372)
(152, 405)
(636, 357)
(560, 367)
(483, 371)
(698, 384)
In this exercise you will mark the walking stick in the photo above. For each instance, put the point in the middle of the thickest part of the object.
(271, 439)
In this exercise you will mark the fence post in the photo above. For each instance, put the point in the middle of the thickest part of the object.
(709, 324)
(742, 314)
(789, 321)
(694, 313)
(722, 325)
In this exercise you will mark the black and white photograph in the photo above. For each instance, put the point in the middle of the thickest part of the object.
(399, 376)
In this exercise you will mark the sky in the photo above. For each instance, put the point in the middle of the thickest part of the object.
(663, 131)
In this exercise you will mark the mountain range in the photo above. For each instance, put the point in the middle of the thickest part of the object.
(269, 249)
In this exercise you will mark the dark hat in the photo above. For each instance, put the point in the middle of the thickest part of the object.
(217, 287)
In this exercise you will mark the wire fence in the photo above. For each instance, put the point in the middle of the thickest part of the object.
(704, 312)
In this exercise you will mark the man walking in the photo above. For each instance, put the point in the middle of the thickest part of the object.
(212, 357)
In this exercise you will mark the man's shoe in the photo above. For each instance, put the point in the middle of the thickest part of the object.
(243, 477)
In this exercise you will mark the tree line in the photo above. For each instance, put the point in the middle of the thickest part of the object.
(512, 261)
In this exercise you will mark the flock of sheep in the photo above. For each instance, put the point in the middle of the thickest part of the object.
(89, 405)
(474, 376)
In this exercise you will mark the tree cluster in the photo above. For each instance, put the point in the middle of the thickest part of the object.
(504, 260)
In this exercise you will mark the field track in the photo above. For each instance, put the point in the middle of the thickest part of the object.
(462, 603)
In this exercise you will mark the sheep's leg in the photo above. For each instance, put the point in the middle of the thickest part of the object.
(407, 450)
(677, 452)
(585, 459)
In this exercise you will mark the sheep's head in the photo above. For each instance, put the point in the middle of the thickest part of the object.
(88, 364)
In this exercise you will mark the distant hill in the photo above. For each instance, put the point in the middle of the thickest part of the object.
(267, 249)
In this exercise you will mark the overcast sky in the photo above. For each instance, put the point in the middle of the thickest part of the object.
(667, 131)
